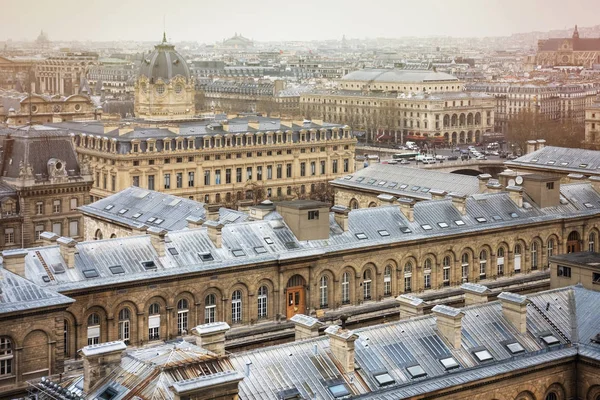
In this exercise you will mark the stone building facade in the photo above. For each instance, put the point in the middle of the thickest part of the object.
(592, 126)
(42, 109)
(62, 74)
(568, 51)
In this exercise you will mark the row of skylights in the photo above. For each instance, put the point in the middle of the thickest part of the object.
(155, 220)
(238, 252)
(116, 269)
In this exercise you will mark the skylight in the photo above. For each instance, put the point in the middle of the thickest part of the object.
(416, 371)
(291, 245)
(443, 224)
(205, 256)
(564, 163)
(360, 179)
(425, 190)
(483, 355)
(551, 162)
(449, 363)
(159, 221)
(148, 265)
(497, 218)
(339, 390)
(348, 177)
(361, 236)
(514, 215)
(583, 165)
(427, 227)
(515, 348)
(372, 181)
(116, 269)
(415, 188)
(533, 161)
(260, 250)
(383, 232)
(90, 273)
(109, 207)
(480, 219)
(238, 252)
(384, 379)
(405, 229)
(382, 183)
(550, 340)
(268, 240)
(588, 205)
(151, 219)
(136, 215)
(173, 251)
(459, 222)
(403, 186)
(123, 211)
(392, 184)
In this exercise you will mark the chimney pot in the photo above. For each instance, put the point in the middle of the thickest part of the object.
(340, 214)
(157, 238)
(66, 247)
(459, 201)
(14, 261)
(437, 194)
(214, 230)
(212, 211)
(483, 181)
(407, 207)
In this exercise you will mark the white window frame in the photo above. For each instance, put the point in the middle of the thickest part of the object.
(387, 281)
(6, 357)
(236, 307)
(323, 294)
(346, 288)
(262, 302)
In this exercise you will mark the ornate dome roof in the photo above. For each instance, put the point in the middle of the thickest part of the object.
(165, 63)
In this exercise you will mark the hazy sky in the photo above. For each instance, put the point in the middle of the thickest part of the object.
(263, 20)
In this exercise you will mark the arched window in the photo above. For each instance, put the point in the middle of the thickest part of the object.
(183, 310)
(98, 235)
(592, 241)
(465, 266)
(407, 277)
(517, 258)
(6, 356)
(262, 302)
(534, 255)
(387, 280)
(236, 306)
(353, 204)
(346, 288)
(446, 270)
(482, 264)
(154, 322)
(367, 284)
(550, 249)
(124, 325)
(500, 261)
(210, 308)
(427, 273)
(93, 329)
(65, 338)
(323, 291)
(551, 396)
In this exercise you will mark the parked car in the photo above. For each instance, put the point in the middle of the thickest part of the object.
(494, 153)
(511, 157)
(428, 160)
(452, 158)
(440, 157)
(404, 162)
(481, 157)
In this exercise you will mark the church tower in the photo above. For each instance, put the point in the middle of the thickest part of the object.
(165, 88)
(575, 33)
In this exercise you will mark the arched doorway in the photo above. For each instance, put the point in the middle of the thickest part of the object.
(295, 296)
(573, 242)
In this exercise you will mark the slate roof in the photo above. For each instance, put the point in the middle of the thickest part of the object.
(308, 366)
(560, 159)
(406, 181)
(398, 76)
(164, 63)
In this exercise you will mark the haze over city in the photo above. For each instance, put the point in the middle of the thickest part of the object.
(271, 20)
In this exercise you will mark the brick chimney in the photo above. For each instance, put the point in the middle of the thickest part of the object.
(157, 238)
(66, 246)
(99, 361)
(516, 195)
(14, 261)
(475, 293)
(407, 206)
(220, 385)
(449, 324)
(483, 181)
(459, 201)
(212, 336)
(514, 308)
(214, 230)
(341, 342)
(305, 327)
(212, 212)
(49, 238)
(437, 194)
(340, 214)
(410, 306)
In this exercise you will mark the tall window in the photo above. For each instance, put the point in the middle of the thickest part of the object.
(387, 280)
(65, 339)
(9, 236)
(73, 203)
(39, 208)
(427, 273)
(210, 308)
(238, 175)
(279, 171)
(288, 170)
(150, 182)
(56, 206)
(182, 316)
(408, 277)
(446, 270)
(236, 306)
(249, 173)
(323, 291)
(217, 177)
(517, 258)
(550, 249)
(262, 302)
(302, 169)
(323, 167)
(228, 175)
(167, 181)
(367, 284)
(346, 288)
(93, 329)
(534, 255)
(190, 179)
(592, 241)
(346, 165)
(206, 178)
(482, 264)
(465, 267)
(154, 322)
(124, 324)
(500, 261)
(6, 356)
(179, 179)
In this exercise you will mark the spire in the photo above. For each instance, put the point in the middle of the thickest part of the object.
(575, 33)
(164, 37)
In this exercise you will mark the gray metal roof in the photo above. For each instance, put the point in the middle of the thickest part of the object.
(398, 76)
(164, 63)
(407, 181)
(586, 162)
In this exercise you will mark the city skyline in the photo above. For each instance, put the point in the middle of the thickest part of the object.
(208, 23)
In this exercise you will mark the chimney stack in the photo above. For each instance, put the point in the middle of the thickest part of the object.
(494, 187)
(505, 176)
(341, 342)
(244, 205)
(340, 214)
(212, 211)
(531, 145)
(437, 194)
(407, 206)
(14, 261)
(449, 324)
(220, 385)
(66, 247)
(459, 201)
(386, 199)
(99, 361)
(475, 293)
(516, 195)
(541, 143)
(212, 336)
(194, 222)
(214, 230)
(305, 327)
(49, 238)
(574, 178)
(514, 308)
(483, 181)
(410, 306)
(157, 238)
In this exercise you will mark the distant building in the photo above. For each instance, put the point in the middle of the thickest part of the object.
(577, 268)
(62, 74)
(237, 42)
(574, 51)
(15, 73)
(592, 126)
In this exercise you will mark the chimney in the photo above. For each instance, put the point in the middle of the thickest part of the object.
(99, 361)
(514, 308)
(212, 336)
(194, 222)
(157, 238)
(49, 238)
(244, 205)
(214, 229)
(574, 178)
(66, 247)
(341, 342)
(459, 201)
(260, 211)
(407, 206)
(475, 293)
(541, 143)
(595, 181)
(139, 229)
(494, 187)
(516, 195)
(340, 214)
(437, 194)
(212, 212)
(531, 145)
(219, 385)
(449, 324)
(305, 327)
(410, 306)
(483, 181)
(505, 176)
(386, 199)
(14, 261)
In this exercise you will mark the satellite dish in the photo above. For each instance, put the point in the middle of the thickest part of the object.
(511, 182)
(519, 180)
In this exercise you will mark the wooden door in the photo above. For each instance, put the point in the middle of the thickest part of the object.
(573, 246)
(295, 301)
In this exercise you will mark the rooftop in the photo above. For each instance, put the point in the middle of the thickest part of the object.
(558, 159)
(398, 76)
(584, 258)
